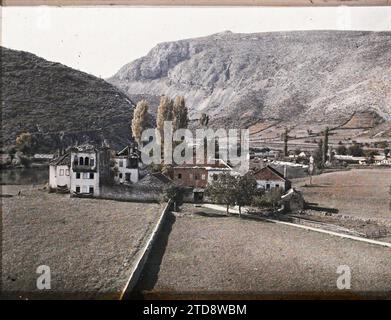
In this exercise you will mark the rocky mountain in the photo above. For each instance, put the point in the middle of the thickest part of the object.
(58, 105)
(240, 79)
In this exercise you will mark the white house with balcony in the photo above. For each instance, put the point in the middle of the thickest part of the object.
(90, 166)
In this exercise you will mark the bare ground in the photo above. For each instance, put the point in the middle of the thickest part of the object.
(89, 245)
(205, 254)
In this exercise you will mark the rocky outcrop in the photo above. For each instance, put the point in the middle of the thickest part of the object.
(238, 79)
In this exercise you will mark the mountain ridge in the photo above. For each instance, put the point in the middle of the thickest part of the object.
(240, 78)
(58, 105)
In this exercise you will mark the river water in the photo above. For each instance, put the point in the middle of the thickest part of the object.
(36, 175)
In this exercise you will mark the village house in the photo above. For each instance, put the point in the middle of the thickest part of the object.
(269, 178)
(197, 177)
(59, 173)
(127, 165)
(90, 168)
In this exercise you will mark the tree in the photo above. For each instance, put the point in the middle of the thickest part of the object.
(318, 155)
(355, 150)
(387, 152)
(270, 199)
(325, 146)
(175, 194)
(223, 190)
(25, 161)
(24, 143)
(246, 189)
(204, 120)
(342, 150)
(164, 113)
(140, 121)
(180, 118)
(285, 137)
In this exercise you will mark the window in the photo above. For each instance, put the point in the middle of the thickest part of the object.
(61, 172)
(203, 177)
(179, 176)
(91, 189)
(215, 177)
(87, 161)
(277, 185)
(78, 189)
(77, 175)
(120, 175)
(81, 161)
(91, 175)
(121, 163)
(92, 162)
(127, 176)
(75, 160)
(267, 186)
(67, 172)
(197, 177)
(85, 175)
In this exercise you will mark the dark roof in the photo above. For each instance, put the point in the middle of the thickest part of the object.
(163, 178)
(154, 180)
(64, 160)
(272, 171)
(130, 151)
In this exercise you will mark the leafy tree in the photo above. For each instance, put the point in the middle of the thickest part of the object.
(180, 118)
(355, 150)
(246, 189)
(141, 119)
(341, 149)
(176, 194)
(325, 146)
(286, 143)
(269, 199)
(24, 143)
(318, 155)
(223, 190)
(387, 152)
(204, 120)
(164, 113)
(25, 161)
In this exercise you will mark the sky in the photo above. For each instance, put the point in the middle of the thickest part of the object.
(100, 40)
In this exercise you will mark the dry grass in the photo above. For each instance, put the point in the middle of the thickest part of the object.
(358, 192)
(88, 244)
(207, 253)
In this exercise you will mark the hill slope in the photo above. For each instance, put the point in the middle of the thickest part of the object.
(60, 106)
(305, 76)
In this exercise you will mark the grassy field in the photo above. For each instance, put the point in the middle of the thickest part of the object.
(89, 245)
(359, 192)
(206, 254)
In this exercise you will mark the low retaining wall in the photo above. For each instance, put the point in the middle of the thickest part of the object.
(144, 254)
(131, 193)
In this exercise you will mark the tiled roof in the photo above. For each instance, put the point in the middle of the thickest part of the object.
(64, 160)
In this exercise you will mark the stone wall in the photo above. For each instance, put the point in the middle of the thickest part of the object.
(131, 193)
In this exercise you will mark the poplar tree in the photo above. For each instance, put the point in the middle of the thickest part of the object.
(140, 120)
(164, 113)
(180, 118)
